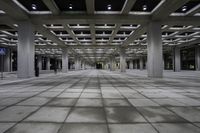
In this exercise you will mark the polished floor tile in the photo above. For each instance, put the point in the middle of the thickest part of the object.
(101, 101)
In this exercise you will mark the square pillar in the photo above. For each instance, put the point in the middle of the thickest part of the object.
(39, 59)
(154, 50)
(77, 67)
(122, 60)
(112, 64)
(48, 63)
(197, 58)
(83, 65)
(65, 60)
(141, 63)
(131, 64)
(135, 64)
(177, 59)
(25, 50)
(7, 61)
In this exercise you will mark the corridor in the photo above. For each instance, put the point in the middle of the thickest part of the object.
(99, 101)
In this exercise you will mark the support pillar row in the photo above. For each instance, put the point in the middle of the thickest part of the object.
(177, 59)
(154, 50)
(197, 56)
(122, 60)
(25, 50)
(64, 60)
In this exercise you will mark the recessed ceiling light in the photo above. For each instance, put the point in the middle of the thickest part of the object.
(34, 7)
(70, 6)
(144, 7)
(184, 8)
(109, 7)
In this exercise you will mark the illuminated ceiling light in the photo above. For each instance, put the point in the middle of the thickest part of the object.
(34, 7)
(70, 6)
(184, 8)
(15, 25)
(144, 7)
(109, 7)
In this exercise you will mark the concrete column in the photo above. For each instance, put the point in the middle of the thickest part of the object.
(141, 63)
(135, 64)
(7, 61)
(154, 50)
(131, 64)
(59, 64)
(11, 60)
(112, 64)
(48, 63)
(197, 58)
(123, 60)
(25, 50)
(71, 65)
(39, 59)
(83, 65)
(77, 63)
(177, 59)
(65, 60)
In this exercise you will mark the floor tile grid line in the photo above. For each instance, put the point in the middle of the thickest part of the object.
(186, 103)
(186, 121)
(24, 99)
(104, 107)
(30, 97)
(35, 110)
(166, 109)
(52, 99)
(20, 92)
(168, 105)
(72, 108)
(183, 118)
(28, 80)
(140, 112)
(30, 85)
(30, 113)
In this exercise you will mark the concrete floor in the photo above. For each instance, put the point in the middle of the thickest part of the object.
(93, 101)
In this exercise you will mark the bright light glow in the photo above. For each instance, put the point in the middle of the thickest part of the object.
(34, 7)
(184, 8)
(109, 7)
(2, 12)
(70, 6)
(144, 7)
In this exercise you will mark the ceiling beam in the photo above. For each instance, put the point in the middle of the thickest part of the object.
(101, 19)
(128, 6)
(45, 32)
(197, 41)
(72, 35)
(13, 10)
(194, 11)
(89, 19)
(125, 10)
(166, 8)
(90, 6)
(52, 6)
